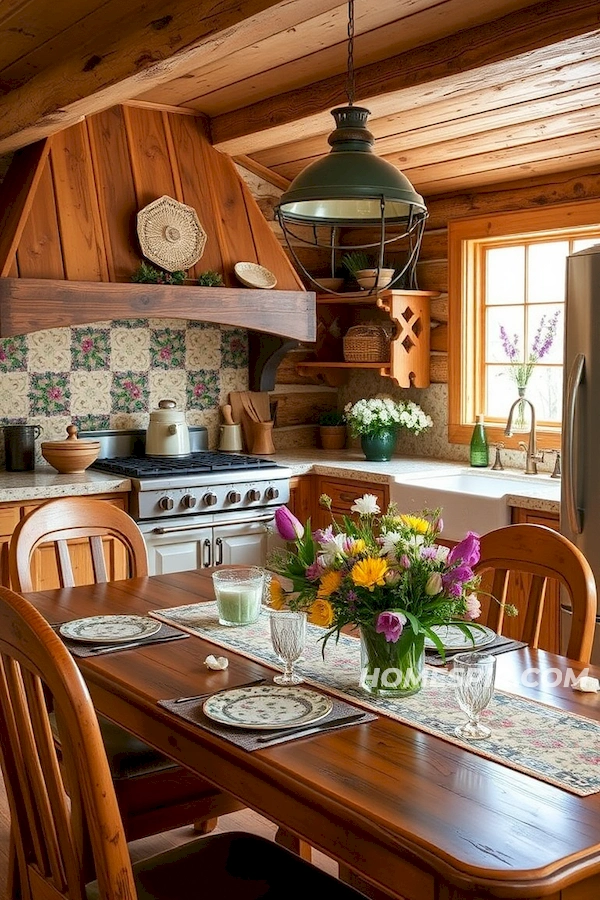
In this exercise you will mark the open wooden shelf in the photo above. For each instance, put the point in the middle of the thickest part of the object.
(337, 373)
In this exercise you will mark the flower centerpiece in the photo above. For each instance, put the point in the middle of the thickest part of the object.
(377, 421)
(385, 575)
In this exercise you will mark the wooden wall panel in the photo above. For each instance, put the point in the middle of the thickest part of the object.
(18, 191)
(77, 204)
(150, 155)
(187, 138)
(116, 192)
(266, 246)
(40, 252)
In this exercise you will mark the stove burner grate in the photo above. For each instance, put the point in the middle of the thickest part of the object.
(195, 463)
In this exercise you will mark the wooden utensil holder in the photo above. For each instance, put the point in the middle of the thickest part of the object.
(262, 438)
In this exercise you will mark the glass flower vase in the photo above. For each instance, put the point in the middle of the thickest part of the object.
(521, 422)
(379, 447)
(389, 669)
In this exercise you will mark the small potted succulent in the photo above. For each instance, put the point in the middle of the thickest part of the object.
(365, 270)
(332, 430)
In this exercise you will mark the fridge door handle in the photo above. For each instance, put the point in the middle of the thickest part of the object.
(573, 383)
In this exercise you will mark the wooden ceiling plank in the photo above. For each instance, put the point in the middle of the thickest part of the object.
(17, 196)
(476, 51)
(446, 120)
(132, 48)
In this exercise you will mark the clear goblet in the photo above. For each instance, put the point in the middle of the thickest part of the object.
(288, 635)
(474, 676)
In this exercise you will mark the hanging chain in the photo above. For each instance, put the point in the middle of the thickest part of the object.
(350, 75)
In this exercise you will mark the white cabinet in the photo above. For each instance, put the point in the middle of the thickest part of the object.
(180, 548)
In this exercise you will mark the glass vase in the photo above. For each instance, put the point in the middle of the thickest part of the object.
(390, 669)
(379, 448)
(521, 420)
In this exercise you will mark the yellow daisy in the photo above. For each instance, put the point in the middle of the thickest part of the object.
(321, 613)
(416, 524)
(276, 595)
(356, 546)
(330, 582)
(369, 573)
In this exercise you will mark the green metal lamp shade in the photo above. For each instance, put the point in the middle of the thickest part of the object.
(352, 185)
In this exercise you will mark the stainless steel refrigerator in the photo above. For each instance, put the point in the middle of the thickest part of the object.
(580, 494)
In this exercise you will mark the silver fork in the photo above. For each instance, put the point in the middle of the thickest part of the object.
(256, 681)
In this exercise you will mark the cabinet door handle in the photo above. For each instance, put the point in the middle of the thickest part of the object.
(206, 553)
(219, 553)
(348, 498)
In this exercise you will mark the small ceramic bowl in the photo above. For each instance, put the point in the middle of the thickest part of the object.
(254, 276)
(70, 457)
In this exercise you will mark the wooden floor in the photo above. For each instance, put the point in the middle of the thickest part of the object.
(246, 820)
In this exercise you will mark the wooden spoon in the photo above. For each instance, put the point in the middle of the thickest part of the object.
(227, 414)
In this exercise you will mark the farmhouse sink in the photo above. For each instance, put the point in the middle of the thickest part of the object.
(470, 500)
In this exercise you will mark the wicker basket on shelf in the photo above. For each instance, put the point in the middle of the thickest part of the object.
(366, 344)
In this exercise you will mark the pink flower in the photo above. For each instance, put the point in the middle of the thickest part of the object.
(467, 551)
(390, 624)
(87, 345)
(288, 526)
(55, 393)
(473, 607)
(165, 353)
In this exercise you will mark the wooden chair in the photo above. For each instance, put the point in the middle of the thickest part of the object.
(543, 554)
(66, 824)
(154, 793)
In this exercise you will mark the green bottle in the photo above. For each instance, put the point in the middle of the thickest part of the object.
(479, 452)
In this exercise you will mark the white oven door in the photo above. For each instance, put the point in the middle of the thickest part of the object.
(176, 546)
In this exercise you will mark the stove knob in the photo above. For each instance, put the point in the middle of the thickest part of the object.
(271, 493)
(253, 496)
(210, 499)
(189, 501)
(234, 497)
(166, 503)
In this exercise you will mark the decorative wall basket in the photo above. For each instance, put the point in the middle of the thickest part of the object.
(366, 343)
(170, 234)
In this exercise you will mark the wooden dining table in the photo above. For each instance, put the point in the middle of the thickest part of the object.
(413, 814)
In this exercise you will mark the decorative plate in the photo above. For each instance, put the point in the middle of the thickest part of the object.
(109, 629)
(267, 706)
(254, 276)
(453, 638)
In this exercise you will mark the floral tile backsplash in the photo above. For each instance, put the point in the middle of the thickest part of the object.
(112, 374)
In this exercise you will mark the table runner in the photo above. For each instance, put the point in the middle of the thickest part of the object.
(555, 746)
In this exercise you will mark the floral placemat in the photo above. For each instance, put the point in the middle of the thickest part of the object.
(555, 746)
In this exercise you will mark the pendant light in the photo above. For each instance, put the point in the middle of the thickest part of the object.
(353, 201)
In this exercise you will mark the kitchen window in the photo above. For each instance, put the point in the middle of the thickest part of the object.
(507, 298)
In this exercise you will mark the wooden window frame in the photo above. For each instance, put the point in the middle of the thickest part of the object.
(466, 241)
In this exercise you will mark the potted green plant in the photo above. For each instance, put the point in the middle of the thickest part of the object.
(365, 270)
(148, 274)
(332, 430)
(210, 278)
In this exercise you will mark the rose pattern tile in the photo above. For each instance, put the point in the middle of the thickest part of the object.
(202, 389)
(13, 354)
(92, 423)
(167, 348)
(234, 347)
(90, 348)
(49, 393)
(129, 392)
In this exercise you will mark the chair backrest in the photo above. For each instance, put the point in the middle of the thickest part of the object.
(543, 554)
(59, 812)
(81, 519)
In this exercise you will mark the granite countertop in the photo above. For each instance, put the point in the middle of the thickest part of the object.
(45, 482)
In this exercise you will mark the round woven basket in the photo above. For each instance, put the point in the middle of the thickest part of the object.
(170, 234)
(366, 343)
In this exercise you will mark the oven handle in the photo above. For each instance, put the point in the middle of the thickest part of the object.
(174, 528)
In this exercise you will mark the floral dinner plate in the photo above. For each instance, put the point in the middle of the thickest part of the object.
(267, 706)
(454, 638)
(109, 629)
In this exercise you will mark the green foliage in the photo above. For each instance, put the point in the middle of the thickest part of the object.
(358, 259)
(332, 417)
(148, 274)
(210, 279)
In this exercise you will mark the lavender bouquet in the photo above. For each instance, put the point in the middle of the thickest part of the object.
(543, 339)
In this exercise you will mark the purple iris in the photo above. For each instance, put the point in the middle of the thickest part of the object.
(467, 551)
(390, 624)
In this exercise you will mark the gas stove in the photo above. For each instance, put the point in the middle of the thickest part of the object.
(201, 483)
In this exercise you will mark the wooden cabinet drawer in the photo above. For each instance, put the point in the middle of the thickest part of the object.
(344, 493)
(9, 516)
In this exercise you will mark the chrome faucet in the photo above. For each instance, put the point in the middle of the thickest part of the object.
(532, 457)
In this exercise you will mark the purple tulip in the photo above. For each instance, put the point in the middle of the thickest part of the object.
(457, 576)
(467, 551)
(390, 624)
(288, 526)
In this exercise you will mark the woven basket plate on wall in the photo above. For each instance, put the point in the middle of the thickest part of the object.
(170, 234)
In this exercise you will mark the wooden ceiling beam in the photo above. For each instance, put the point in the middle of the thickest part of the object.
(122, 49)
(483, 50)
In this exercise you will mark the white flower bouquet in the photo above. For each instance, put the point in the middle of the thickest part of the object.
(377, 415)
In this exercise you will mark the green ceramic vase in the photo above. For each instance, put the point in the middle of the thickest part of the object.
(379, 448)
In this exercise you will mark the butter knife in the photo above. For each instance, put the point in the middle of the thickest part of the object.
(316, 726)
(129, 646)
(244, 684)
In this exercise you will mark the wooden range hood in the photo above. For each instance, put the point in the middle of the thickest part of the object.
(68, 242)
